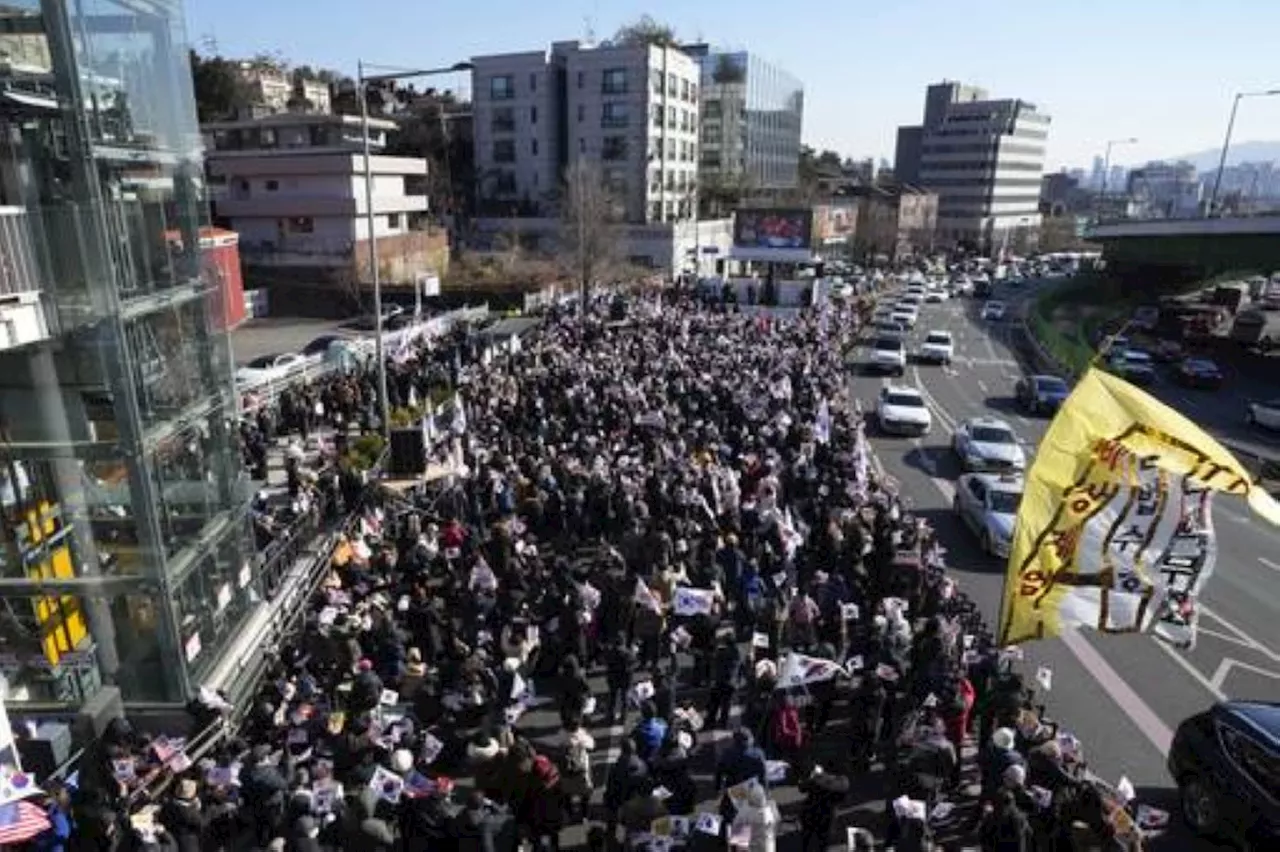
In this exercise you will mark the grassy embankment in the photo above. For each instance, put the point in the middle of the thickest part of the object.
(1068, 318)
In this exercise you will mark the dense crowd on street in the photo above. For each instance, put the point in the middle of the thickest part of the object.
(665, 529)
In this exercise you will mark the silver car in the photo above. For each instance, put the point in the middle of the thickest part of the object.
(988, 505)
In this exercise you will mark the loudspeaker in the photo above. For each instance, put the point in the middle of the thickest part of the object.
(47, 750)
(408, 452)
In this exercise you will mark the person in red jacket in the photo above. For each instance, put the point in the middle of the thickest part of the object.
(955, 717)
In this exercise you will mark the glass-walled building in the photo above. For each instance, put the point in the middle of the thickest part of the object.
(752, 113)
(126, 551)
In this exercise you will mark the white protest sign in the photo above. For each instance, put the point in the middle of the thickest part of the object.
(708, 823)
(759, 640)
(849, 612)
(1044, 677)
(431, 748)
(693, 601)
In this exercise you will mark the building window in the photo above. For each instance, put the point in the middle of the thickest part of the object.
(615, 148)
(655, 181)
(672, 85)
(535, 175)
(504, 151)
(657, 117)
(272, 185)
(502, 87)
(693, 91)
(505, 183)
(533, 147)
(533, 115)
(582, 144)
(655, 76)
(614, 81)
(302, 225)
(582, 113)
(533, 82)
(684, 90)
(655, 211)
(671, 117)
(393, 221)
(582, 79)
(613, 114)
(504, 120)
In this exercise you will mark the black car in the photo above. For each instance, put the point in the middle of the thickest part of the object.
(321, 344)
(1226, 762)
(1041, 394)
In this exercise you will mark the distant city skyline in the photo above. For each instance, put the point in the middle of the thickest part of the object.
(864, 70)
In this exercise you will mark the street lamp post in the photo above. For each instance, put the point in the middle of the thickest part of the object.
(362, 93)
(1106, 170)
(1226, 143)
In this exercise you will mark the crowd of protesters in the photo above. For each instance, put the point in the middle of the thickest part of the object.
(678, 503)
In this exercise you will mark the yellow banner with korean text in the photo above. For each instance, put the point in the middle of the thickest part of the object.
(1115, 529)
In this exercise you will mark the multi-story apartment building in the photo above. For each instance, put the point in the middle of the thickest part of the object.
(128, 562)
(293, 186)
(752, 114)
(632, 110)
(983, 157)
(273, 89)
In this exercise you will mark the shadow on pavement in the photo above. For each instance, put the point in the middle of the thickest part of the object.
(1176, 837)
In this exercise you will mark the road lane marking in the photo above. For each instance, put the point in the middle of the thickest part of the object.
(1225, 667)
(982, 386)
(1138, 711)
(1267, 562)
(1190, 669)
(1257, 646)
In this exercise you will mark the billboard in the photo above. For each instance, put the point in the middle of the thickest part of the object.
(772, 228)
(834, 223)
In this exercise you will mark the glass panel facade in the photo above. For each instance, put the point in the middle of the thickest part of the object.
(120, 482)
(752, 113)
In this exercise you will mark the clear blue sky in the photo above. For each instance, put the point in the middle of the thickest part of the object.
(1161, 70)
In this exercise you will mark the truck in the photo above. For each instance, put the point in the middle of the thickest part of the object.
(1254, 328)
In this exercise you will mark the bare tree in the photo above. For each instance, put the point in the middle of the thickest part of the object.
(590, 215)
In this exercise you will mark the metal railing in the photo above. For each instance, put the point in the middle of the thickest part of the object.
(19, 263)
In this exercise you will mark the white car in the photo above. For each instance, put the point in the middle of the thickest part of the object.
(988, 505)
(842, 290)
(993, 311)
(935, 296)
(908, 315)
(888, 355)
(938, 348)
(987, 443)
(267, 368)
(961, 285)
(1264, 414)
(889, 328)
(902, 411)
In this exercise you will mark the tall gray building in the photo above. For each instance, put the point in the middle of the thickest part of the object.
(983, 157)
(752, 114)
(632, 109)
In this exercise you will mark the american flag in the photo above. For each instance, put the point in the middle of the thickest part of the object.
(21, 821)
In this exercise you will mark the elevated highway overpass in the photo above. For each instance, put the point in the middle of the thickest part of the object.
(1172, 250)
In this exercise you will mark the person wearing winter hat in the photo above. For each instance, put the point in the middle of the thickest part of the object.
(997, 758)
(402, 761)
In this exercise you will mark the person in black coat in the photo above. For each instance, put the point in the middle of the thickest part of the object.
(480, 826)
(824, 793)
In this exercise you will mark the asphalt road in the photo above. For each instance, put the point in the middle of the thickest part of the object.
(1123, 696)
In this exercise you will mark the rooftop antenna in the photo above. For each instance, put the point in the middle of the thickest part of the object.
(589, 30)
(209, 43)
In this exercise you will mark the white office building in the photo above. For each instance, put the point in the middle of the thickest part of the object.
(630, 109)
(984, 158)
(293, 187)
